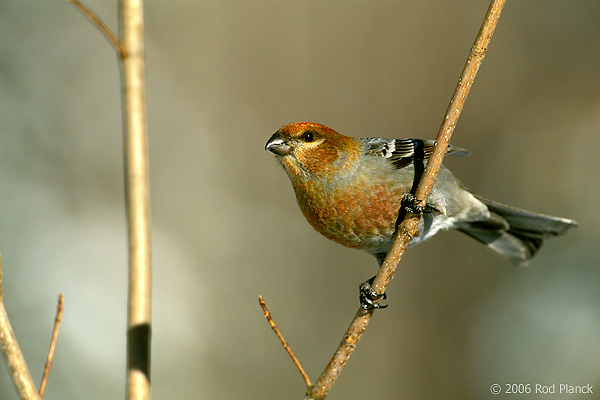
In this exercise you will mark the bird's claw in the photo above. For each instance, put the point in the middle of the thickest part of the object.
(413, 205)
(369, 300)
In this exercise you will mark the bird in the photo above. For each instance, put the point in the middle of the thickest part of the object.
(355, 190)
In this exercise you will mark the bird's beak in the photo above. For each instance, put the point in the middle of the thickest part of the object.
(278, 146)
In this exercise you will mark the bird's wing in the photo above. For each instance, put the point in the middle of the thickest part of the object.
(402, 152)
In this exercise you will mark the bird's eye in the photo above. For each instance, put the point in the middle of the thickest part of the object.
(308, 136)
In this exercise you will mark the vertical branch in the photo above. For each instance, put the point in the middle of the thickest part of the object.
(12, 353)
(131, 53)
(408, 228)
(137, 201)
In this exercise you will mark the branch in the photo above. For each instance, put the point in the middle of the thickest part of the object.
(131, 51)
(137, 201)
(408, 228)
(284, 343)
(50, 358)
(13, 355)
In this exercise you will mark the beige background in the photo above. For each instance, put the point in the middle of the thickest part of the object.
(222, 77)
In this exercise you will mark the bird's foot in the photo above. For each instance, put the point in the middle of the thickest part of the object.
(369, 300)
(413, 205)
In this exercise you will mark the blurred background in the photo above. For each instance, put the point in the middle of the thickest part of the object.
(222, 77)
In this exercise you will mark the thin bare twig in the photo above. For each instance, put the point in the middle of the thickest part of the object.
(112, 38)
(284, 343)
(57, 321)
(13, 355)
(408, 228)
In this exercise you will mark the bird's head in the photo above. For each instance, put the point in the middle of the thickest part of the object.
(310, 149)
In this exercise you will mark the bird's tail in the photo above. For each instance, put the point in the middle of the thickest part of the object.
(514, 233)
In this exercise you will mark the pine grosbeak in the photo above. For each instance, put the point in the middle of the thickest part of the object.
(351, 191)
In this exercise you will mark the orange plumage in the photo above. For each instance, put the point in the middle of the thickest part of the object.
(351, 190)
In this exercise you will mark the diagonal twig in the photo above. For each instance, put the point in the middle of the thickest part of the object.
(112, 38)
(408, 228)
(57, 321)
(13, 355)
(284, 343)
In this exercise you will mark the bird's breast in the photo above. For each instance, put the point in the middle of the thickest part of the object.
(360, 215)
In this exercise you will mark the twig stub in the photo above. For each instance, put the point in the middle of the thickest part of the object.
(50, 358)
